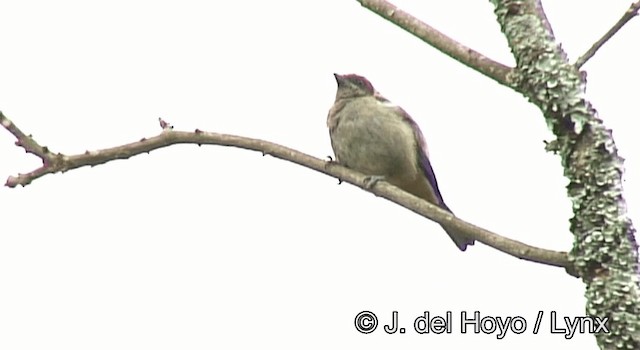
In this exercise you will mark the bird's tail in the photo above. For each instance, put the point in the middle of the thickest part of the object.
(460, 239)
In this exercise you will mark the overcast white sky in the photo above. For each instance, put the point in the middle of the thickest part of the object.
(212, 247)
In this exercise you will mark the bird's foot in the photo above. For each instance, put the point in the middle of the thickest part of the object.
(328, 163)
(372, 180)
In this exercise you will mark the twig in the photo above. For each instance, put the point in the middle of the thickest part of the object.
(631, 12)
(463, 54)
(53, 163)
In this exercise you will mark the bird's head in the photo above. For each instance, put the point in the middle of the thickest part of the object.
(352, 85)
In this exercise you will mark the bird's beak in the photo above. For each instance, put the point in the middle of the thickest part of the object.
(339, 78)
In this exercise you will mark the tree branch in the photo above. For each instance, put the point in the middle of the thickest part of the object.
(605, 251)
(53, 163)
(465, 55)
(631, 12)
(542, 16)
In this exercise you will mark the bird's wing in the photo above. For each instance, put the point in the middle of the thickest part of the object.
(423, 157)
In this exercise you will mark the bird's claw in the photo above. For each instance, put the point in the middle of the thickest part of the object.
(372, 180)
(329, 162)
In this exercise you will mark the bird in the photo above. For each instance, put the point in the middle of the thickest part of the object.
(372, 135)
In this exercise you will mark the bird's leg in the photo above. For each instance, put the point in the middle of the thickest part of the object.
(329, 163)
(372, 180)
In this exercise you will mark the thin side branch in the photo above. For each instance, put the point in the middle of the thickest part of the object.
(53, 163)
(463, 54)
(631, 12)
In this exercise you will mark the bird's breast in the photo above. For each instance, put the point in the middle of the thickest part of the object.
(368, 137)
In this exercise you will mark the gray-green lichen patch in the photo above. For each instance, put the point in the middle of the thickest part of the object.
(605, 252)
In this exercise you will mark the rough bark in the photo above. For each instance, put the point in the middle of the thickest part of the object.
(605, 252)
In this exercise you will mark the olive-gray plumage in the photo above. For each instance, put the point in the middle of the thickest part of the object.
(375, 137)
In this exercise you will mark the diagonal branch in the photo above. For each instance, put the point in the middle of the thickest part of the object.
(53, 163)
(631, 12)
(542, 16)
(463, 54)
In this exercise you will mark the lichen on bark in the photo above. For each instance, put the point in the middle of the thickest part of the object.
(604, 252)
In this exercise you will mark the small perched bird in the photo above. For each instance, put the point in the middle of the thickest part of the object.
(371, 135)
